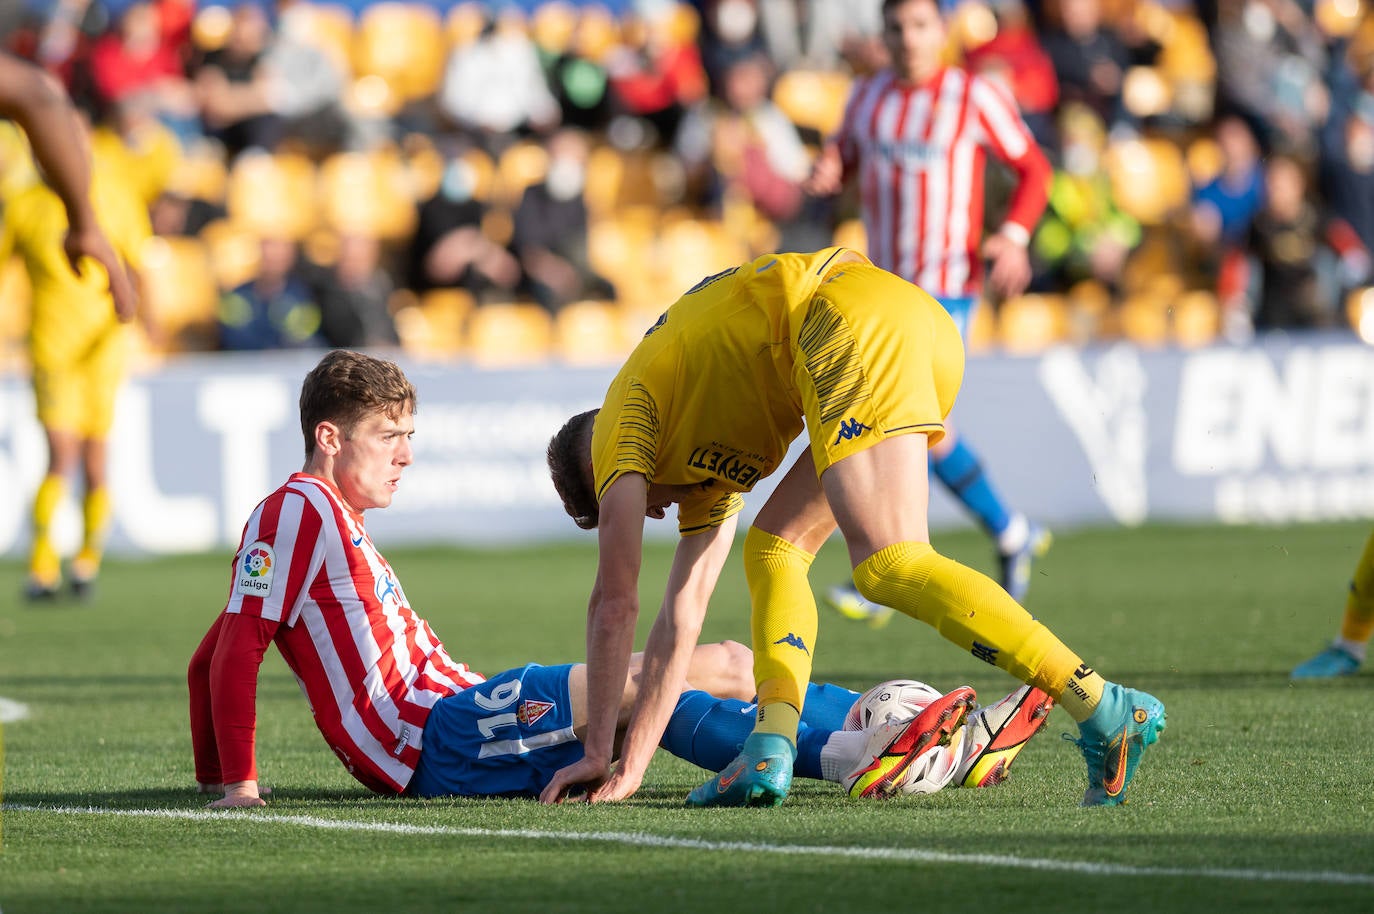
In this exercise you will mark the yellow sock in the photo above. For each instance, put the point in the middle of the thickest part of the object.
(1358, 623)
(969, 609)
(44, 563)
(778, 717)
(783, 621)
(96, 516)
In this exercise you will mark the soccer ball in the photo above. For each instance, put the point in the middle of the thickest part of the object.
(894, 701)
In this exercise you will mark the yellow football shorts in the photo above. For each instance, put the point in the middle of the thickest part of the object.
(875, 357)
(75, 388)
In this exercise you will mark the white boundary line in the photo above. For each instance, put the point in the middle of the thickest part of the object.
(11, 710)
(640, 839)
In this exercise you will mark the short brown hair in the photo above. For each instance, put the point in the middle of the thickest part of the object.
(347, 386)
(570, 466)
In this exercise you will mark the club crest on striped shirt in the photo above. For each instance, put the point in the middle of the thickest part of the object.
(254, 570)
(530, 711)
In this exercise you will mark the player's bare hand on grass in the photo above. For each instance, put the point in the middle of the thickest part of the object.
(584, 773)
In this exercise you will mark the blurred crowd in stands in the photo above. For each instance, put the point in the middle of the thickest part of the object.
(514, 180)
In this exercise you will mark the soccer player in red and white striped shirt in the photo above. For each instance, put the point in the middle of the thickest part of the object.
(915, 137)
(398, 711)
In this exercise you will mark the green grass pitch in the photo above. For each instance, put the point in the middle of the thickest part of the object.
(1257, 798)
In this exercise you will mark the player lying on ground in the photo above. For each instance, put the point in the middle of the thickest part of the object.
(405, 718)
(708, 404)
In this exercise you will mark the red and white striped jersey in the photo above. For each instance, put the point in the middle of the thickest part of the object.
(919, 152)
(370, 666)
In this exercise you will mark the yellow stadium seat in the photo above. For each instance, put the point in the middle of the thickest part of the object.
(433, 325)
(1197, 319)
(553, 26)
(518, 167)
(1359, 311)
(404, 45)
(590, 333)
(693, 248)
(982, 329)
(1089, 316)
(273, 195)
(464, 23)
(851, 233)
(368, 193)
(1145, 320)
(813, 99)
(179, 292)
(1030, 324)
(620, 244)
(235, 252)
(1149, 178)
(509, 335)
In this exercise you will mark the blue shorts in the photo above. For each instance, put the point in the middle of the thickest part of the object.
(503, 738)
(961, 309)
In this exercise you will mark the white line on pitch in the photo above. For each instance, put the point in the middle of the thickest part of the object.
(639, 839)
(11, 710)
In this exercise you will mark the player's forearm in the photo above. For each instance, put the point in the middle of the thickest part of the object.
(1030, 195)
(37, 103)
(610, 639)
(234, 692)
(663, 676)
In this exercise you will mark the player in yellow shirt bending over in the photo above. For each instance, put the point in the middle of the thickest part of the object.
(35, 101)
(79, 349)
(706, 406)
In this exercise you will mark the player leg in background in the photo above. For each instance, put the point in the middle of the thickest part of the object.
(45, 566)
(101, 373)
(1346, 653)
(95, 514)
(960, 470)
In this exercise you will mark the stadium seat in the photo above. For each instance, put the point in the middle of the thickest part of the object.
(618, 179)
(693, 248)
(518, 167)
(813, 99)
(851, 233)
(590, 333)
(1030, 324)
(404, 45)
(509, 335)
(1145, 320)
(1196, 319)
(234, 252)
(982, 330)
(463, 23)
(368, 193)
(1359, 311)
(1149, 178)
(179, 291)
(273, 195)
(432, 325)
(1204, 160)
(1088, 313)
(622, 243)
(552, 26)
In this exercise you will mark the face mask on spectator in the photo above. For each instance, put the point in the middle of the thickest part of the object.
(565, 179)
(457, 184)
(735, 20)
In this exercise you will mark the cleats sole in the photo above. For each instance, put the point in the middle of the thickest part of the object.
(935, 726)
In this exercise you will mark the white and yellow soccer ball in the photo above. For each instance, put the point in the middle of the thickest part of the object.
(890, 702)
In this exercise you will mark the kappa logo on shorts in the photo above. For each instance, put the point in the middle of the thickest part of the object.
(851, 428)
(254, 570)
(530, 711)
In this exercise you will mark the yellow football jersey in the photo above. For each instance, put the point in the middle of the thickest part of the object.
(708, 397)
(70, 310)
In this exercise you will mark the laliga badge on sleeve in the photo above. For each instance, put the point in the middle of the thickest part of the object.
(253, 574)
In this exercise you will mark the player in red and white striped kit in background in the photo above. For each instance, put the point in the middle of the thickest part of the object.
(398, 711)
(915, 137)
